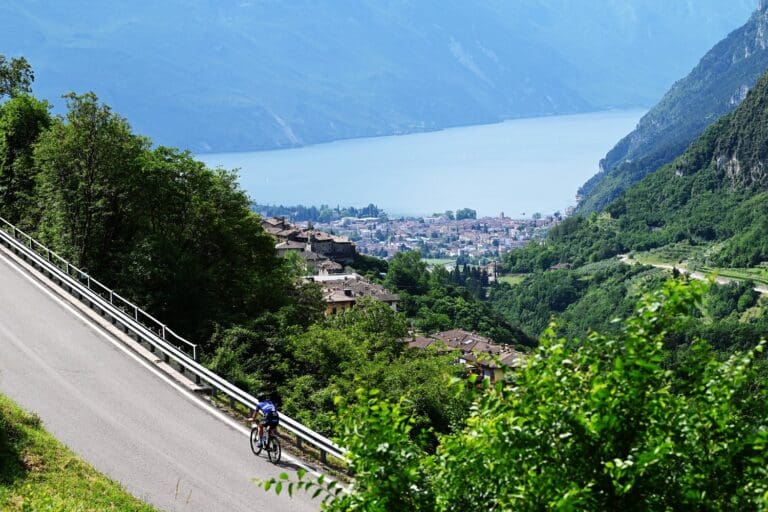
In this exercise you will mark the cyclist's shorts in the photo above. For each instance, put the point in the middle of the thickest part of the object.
(270, 421)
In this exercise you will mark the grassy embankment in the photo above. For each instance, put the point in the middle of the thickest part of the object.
(439, 262)
(512, 279)
(38, 473)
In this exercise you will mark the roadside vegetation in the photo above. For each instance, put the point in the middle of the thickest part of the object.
(38, 473)
(623, 420)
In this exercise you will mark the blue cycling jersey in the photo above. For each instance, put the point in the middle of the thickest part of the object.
(266, 407)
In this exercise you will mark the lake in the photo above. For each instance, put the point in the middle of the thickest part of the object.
(518, 166)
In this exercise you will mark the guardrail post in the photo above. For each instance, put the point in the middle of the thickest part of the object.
(323, 456)
(298, 442)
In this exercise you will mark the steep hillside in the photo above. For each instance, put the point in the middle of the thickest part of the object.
(708, 209)
(236, 75)
(714, 195)
(715, 86)
(717, 191)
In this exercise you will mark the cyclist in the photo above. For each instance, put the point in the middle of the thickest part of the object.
(270, 417)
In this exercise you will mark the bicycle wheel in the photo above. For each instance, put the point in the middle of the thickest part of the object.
(255, 448)
(273, 449)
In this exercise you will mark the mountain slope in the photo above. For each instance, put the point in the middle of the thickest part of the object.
(715, 195)
(716, 192)
(706, 209)
(249, 74)
(715, 86)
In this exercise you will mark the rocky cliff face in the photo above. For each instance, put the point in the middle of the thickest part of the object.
(716, 86)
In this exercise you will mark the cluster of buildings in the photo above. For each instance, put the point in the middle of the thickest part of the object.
(438, 236)
(477, 353)
(342, 291)
(324, 253)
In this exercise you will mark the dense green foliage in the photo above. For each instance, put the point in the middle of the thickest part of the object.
(150, 222)
(616, 422)
(325, 213)
(440, 300)
(304, 370)
(713, 88)
(22, 120)
(38, 473)
(580, 300)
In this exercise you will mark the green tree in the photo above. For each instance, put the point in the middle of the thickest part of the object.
(408, 273)
(22, 120)
(16, 76)
(90, 169)
(200, 255)
(466, 213)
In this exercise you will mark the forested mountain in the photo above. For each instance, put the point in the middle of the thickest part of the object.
(236, 75)
(715, 86)
(716, 191)
(710, 203)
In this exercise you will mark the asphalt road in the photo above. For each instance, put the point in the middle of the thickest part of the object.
(700, 276)
(161, 443)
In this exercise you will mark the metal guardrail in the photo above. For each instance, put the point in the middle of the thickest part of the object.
(144, 327)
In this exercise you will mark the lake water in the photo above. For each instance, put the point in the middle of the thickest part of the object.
(518, 166)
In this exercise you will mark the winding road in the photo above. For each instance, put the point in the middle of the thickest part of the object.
(118, 412)
(625, 258)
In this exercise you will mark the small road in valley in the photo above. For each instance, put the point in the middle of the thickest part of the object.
(165, 445)
(624, 258)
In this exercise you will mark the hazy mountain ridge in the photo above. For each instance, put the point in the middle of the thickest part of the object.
(714, 87)
(235, 75)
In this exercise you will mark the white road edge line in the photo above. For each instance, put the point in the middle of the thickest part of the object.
(119, 345)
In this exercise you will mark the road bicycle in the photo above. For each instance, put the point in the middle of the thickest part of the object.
(269, 442)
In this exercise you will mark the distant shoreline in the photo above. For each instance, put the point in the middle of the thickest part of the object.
(204, 154)
(520, 165)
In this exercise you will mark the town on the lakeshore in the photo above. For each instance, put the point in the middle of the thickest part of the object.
(445, 238)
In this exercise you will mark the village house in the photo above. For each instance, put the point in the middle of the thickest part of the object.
(336, 248)
(341, 292)
(284, 248)
(479, 354)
